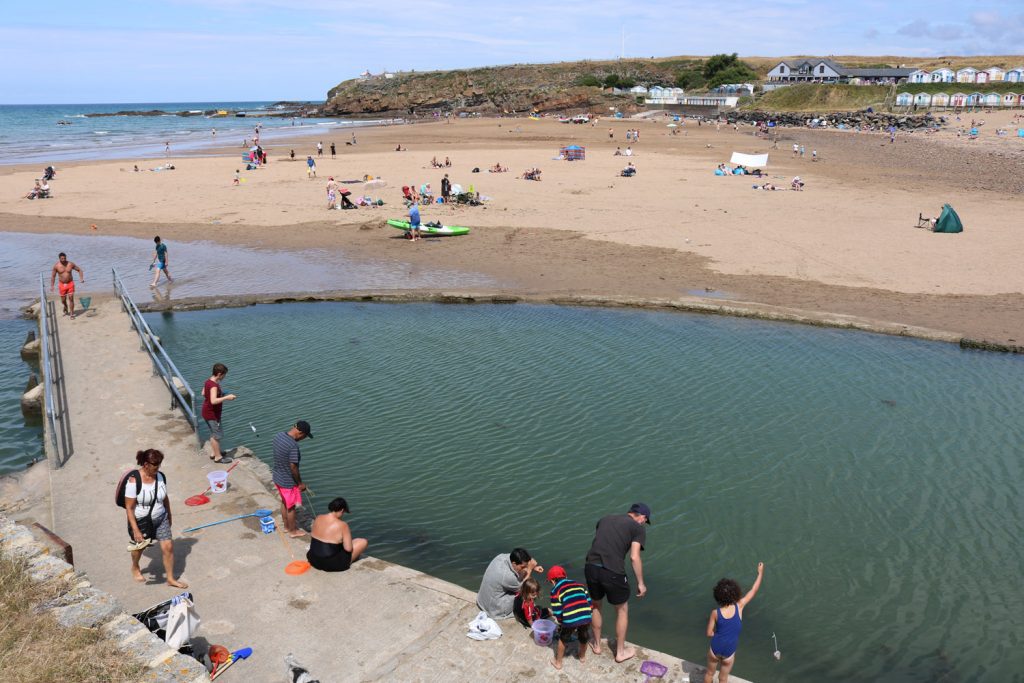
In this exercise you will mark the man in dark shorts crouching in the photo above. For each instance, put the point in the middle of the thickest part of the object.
(605, 570)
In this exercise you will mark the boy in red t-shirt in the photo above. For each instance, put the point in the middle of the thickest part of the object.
(213, 404)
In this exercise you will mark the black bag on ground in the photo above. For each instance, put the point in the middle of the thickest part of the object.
(155, 619)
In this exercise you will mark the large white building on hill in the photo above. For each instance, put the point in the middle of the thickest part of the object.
(823, 70)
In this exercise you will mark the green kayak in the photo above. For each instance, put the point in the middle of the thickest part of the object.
(429, 230)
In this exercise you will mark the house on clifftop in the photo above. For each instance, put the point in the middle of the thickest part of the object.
(823, 70)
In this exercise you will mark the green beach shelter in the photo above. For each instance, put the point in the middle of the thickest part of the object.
(948, 221)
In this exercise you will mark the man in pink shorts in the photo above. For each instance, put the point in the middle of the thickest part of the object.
(286, 473)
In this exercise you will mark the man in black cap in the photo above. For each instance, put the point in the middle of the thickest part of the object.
(605, 571)
(286, 473)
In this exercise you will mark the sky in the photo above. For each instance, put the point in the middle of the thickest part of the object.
(222, 50)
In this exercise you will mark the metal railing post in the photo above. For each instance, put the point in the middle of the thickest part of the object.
(162, 363)
(51, 365)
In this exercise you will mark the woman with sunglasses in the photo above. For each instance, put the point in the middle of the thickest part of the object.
(149, 514)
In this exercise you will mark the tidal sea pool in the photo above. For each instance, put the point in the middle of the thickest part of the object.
(21, 438)
(878, 478)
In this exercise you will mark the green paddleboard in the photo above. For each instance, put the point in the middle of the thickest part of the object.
(428, 230)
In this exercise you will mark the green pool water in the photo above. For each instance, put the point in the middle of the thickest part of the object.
(21, 440)
(878, 478)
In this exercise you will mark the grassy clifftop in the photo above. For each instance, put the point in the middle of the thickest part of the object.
(518, 87)
(560, 86)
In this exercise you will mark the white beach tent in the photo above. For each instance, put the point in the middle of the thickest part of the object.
(749, 160)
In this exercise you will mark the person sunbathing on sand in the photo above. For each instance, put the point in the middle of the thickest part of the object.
(498, 168)
(531, 174)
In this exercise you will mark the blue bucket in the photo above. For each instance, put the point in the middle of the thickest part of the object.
(267, 525)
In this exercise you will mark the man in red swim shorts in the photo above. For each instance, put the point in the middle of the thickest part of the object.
(64, 270)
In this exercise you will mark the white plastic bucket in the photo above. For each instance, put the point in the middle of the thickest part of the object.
(218, 481)
(543, 631)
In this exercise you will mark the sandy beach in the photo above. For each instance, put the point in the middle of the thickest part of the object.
(846, 244)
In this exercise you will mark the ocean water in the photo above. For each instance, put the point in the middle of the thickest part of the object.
(29, 133)
(878, 478)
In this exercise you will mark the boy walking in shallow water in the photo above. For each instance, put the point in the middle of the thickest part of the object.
(160, 259)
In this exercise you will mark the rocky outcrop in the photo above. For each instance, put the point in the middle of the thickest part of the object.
(834, 119)
(494, 90)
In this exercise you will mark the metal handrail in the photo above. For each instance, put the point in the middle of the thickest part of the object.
(51, 366)
(162, 363)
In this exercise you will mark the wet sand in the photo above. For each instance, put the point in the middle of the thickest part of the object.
(845, 245)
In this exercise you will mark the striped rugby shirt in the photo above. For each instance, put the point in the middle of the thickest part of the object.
(570, 603)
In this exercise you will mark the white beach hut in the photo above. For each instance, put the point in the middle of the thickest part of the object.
(923, 99)
(1011, 99)
(992, 99)
(958, 99)
(943, 75)
(940, 99)
(966, 75)
(904, 99)
(974, 99)
(919, 76)
(1014, 75)
(638, 90)
(981, 77)
(995, 74)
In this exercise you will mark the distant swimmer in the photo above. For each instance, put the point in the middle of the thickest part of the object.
(63, 270)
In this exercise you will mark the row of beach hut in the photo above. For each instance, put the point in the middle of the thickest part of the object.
(968, 75)
(959, 99)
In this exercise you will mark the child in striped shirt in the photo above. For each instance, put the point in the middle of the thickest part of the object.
(572, 609)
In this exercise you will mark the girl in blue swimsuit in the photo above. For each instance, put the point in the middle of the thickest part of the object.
(725, 624)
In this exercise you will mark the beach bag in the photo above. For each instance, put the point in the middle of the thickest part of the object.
(157, 619)
(182, 621)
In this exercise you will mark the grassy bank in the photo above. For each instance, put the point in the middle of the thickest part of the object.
(823, 97)
(34, 647)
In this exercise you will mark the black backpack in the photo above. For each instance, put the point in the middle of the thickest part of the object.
(137, 476)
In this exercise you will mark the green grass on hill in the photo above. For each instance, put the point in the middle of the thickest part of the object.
(823, 97)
